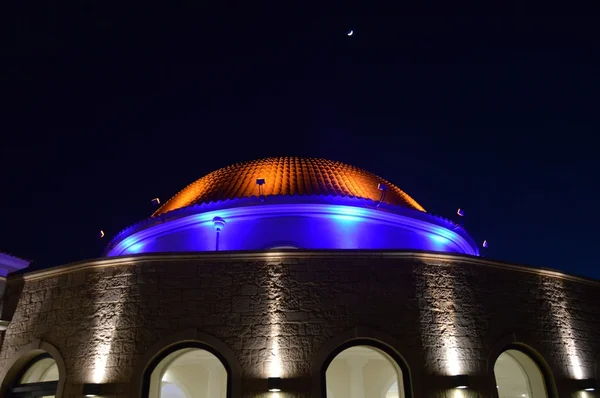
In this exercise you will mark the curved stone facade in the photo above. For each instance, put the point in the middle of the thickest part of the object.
(439, 314)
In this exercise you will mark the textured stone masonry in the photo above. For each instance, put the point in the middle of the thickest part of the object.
(443, 314)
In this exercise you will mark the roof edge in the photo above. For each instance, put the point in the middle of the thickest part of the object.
(9, 263)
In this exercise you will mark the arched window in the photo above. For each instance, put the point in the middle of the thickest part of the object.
(363, 371)
(38, 379)
(188, 372)
(518, 376)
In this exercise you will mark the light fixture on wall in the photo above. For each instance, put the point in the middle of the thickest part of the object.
(587, 385)
(3, 325)
(100, 389)
(92, 389)
(461, 381)
(274, 384)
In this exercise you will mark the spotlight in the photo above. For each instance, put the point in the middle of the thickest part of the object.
(92, 389)
(155, 201)
(382, 187)
(587, 385)
(460, 212)
(485, 244)
(101, 234)
(274, 384)
(461, 381)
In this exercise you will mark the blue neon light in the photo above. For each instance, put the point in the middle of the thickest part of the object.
(307, 225)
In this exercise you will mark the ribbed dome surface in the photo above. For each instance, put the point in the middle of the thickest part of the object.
(287, 176)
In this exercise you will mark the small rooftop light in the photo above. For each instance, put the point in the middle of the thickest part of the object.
(460, 212)
(101, 234)
(156, 201)
(485, 244)
(218, 223)
(260, 182)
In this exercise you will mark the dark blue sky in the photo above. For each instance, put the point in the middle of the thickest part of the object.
(491, 110)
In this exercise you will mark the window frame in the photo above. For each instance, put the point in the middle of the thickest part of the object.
(180, 346)
(32, 390)
(399, 361)
(537, 359)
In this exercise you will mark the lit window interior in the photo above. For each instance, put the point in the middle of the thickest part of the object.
(189, 373)
(518, 376)
(364, 372)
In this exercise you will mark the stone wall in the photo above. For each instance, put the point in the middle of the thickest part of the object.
(444, 315)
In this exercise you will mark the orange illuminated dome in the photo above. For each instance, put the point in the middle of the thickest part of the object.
(288, 176)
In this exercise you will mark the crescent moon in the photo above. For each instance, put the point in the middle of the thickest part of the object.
(350, 33)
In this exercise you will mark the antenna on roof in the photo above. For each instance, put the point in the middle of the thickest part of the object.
(383, 189)
(260, 182)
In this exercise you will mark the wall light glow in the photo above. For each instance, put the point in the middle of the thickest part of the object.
(100, 362)
(453, 363)
(555, 291)
(444, 325)
(274, 363)
(440, 304)
(344, 217)
(136, 248)
(309, 225)
(275, 368)
(108, 308)
(132, 245)
(439, 239)
(459, 393)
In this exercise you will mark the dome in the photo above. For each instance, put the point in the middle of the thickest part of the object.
(288, 176)
(291, 203)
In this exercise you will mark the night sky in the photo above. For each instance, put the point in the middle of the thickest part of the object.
(491, 110)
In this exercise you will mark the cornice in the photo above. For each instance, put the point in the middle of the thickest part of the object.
(426, 257)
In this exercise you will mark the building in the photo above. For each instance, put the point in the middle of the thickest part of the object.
(8, 264)
(295, 277)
